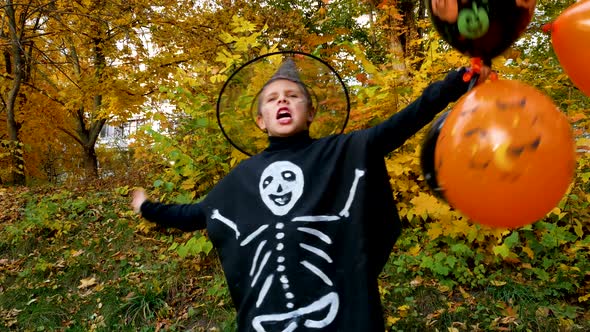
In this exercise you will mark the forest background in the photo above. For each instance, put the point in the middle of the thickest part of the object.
(74, 257)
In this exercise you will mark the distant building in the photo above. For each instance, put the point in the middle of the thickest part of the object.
(117, 134)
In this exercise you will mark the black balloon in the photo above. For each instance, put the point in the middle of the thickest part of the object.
(427, 155)
(480, 28)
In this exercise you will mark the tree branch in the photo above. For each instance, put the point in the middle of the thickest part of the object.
(67, 132)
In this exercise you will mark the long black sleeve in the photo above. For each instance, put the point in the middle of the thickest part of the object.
(186, 217)
(393, 132)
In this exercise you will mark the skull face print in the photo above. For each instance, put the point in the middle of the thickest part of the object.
(281, 186)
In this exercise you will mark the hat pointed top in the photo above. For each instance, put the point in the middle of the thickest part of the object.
(287, 70)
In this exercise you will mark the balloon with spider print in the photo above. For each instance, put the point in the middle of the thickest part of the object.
(505, 155)
(480, 28)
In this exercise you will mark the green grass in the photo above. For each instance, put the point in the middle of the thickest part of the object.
(508, 307)
(106, 272)
(132, 282)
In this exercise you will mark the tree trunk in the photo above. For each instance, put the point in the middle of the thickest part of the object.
(411, 12)
(89, 127)
(87, 138)
(16, 150)
(17, 69)
(90, 162)
(90, 159)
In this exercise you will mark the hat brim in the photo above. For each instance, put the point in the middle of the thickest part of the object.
(238, 100)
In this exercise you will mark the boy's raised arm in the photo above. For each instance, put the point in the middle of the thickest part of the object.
(186, 217)
(393, 132)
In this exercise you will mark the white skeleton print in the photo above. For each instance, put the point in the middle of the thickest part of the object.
(281, 185)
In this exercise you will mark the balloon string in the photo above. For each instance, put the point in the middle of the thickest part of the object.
(547, 27)
(472, 75)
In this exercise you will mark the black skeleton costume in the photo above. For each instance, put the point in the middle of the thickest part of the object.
(304, 228)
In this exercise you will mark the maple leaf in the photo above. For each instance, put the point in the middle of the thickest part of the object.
(240, 24)
(415, 250)
(584, 298)
(392, 320)
(459, 227)
(528, 251)
(434, 231)
(502, 250)
(577, 117)
(425, 205)
(403, 310)
(87, 282)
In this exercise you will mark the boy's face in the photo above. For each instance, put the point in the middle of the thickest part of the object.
(283, 109)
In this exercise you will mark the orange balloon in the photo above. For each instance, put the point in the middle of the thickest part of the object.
(570, 37)
(505, 155)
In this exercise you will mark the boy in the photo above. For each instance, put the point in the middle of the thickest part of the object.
(304, 228)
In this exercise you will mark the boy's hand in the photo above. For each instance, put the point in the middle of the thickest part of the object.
(138, 197)
(484, 74)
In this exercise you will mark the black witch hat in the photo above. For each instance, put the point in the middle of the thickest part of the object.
(237, 105)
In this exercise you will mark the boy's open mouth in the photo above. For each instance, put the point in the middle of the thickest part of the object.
(284, 115)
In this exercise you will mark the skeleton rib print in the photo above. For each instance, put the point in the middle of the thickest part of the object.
(281, 185)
